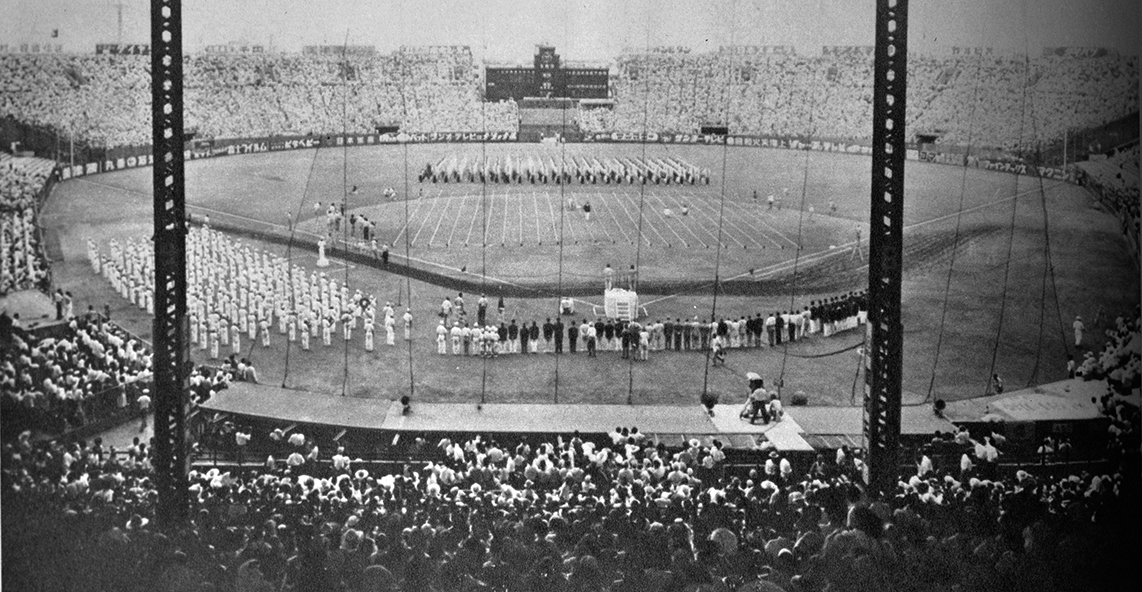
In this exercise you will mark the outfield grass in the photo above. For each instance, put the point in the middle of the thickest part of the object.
(1002, 214)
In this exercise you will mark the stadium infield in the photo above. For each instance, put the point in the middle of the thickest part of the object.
(1001, 297)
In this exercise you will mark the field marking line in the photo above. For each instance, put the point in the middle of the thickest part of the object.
(439, 220)
(699, 209)
(555, 232)
(845, 248)
(662, 217)
(748, 212)
(774, 229)
(456, 218)
(679, 204)
(732, 230)
(504, 233)
(427, 217)
(535, 206)
(419, 201)
(738, 224)
(567, 218)
(475, 212)
(519, 202)
(598, 219)
(684, 224)
(617, 223)
(642, 206)
(488, 216)
(622, 202)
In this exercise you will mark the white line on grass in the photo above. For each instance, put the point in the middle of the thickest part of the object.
(667, 222)
(440, 219)
(427, 217)
(622, 202)
(456, 218)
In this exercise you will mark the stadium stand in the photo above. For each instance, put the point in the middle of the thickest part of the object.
(23, 186)
(568, 514)
(974, 100)
(565, 513)
(1115, 181)
(105, 100)
(980, 100)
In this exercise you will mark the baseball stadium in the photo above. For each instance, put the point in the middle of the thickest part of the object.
(451, 305)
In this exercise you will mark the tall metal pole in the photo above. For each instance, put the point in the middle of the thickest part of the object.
(172, 393)
(883, 381)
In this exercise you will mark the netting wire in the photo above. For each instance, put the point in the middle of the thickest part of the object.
(1048, 266)
(721, 210)
(800, 228)
(1011, 230)
(345, 196)
(484, 223)
(407, 199)
(956, 237)
(293, 224)
(641, 201)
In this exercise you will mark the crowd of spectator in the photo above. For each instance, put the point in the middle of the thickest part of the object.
(1120, 359)
(573, 515)
(22, 262)
(1005, 102)
(90, 370)
(105, 100)
(1116, 181)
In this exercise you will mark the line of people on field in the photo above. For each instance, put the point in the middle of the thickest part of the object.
(457, 335)
(560, 170)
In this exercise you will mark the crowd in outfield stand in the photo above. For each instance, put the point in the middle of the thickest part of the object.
(23, 265)
(575, 514)
(976, 100)
(1117, 180)
(104, 100)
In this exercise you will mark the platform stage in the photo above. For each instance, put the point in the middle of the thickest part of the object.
(666, 423)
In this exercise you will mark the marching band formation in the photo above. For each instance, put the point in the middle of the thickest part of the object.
(546, 169)
(234, 292)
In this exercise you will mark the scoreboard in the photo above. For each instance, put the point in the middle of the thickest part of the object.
(546, 79)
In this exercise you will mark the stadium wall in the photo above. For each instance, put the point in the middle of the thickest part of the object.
(136, 156)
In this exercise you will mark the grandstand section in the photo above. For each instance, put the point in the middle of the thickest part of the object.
(593, 326)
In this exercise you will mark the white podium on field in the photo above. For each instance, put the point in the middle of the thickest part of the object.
(620, 304)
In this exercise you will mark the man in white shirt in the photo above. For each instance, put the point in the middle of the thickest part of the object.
(1078, 326)
(144, 402)
(441, 339)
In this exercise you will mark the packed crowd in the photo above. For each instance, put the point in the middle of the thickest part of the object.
(93, 370)
(23, 264)
(573, 514)
(1116, 180)
(551, 170)
(1120, 359)
(485, 336)
(977, 100)
(104, 100)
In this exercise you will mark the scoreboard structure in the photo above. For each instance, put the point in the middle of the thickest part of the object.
(546, 79)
